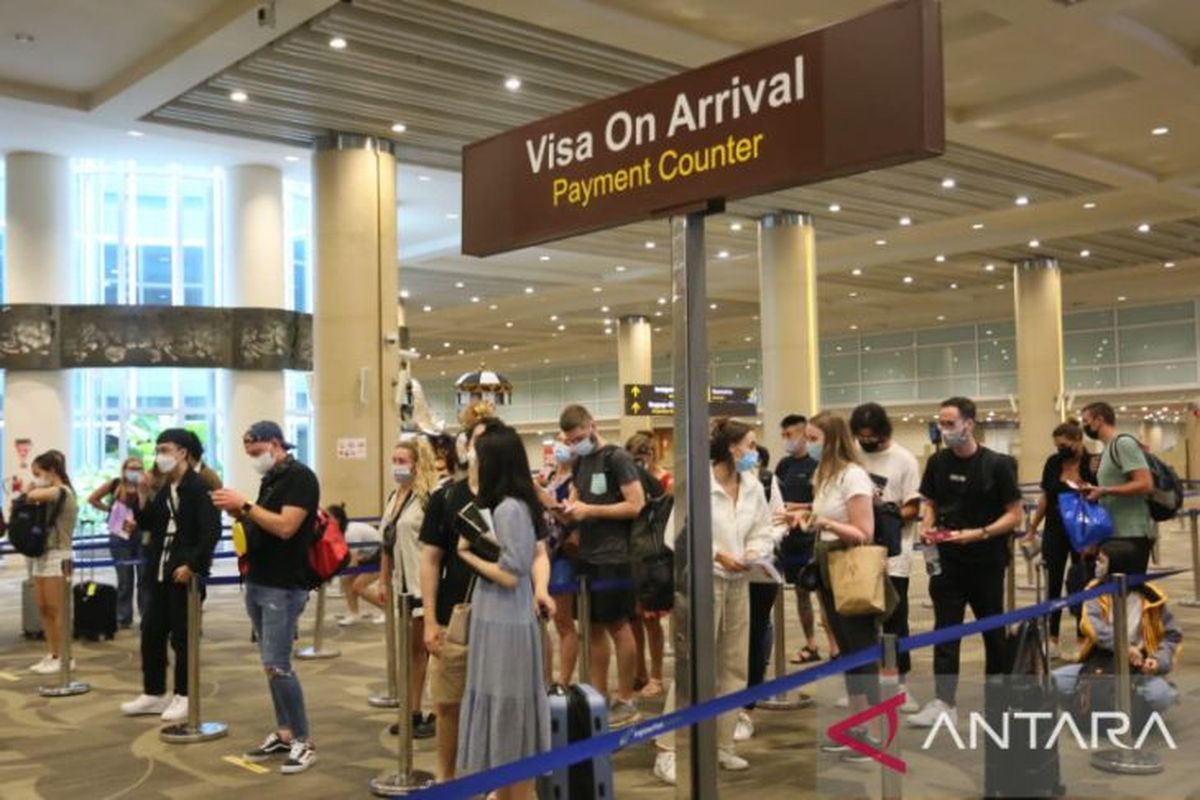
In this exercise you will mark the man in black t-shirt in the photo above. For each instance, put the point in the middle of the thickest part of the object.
(606, 496)
(794, 473)
(445, 582)
(279, 528)
(972, 504)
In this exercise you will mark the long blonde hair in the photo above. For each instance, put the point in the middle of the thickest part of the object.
(838, 452)
(425, 478)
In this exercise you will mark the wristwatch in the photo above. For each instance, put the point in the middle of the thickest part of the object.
(246, 508)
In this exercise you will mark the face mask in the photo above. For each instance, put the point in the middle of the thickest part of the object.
(41, 483)
(402, 474)
(1091, 433)
(562, 453)
(262, 463)
(792, 446)
(870, 447)
(955, 438)
(166, 463)
(747, 461)
(1066, 452)
(815, 449)
(133, 476)
(584, 448)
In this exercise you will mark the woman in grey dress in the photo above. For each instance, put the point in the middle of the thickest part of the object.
(504, 713)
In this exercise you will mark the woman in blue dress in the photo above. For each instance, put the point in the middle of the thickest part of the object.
(504, 714)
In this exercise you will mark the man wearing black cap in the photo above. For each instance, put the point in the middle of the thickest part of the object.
(184, 527)
(279, 528)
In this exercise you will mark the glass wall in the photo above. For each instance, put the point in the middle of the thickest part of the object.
(1137, 347)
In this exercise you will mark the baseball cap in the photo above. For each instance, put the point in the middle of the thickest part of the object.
(266, 431)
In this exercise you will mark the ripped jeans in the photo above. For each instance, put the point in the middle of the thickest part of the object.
(273, 614)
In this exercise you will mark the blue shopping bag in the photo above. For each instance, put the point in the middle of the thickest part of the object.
(1087, 524)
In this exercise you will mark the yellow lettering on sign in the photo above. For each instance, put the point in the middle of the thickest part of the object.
(583, 191)
(672, 164)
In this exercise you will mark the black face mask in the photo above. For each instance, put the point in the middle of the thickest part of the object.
(870, 447)
(1067, 452)
(1091, 433)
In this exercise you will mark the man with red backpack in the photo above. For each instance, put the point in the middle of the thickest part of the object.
(280, 526)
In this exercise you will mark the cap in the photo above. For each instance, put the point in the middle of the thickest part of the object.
(180, 437)
(266, 431)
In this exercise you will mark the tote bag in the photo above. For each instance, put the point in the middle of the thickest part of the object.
(856, 578)
(1087, 524)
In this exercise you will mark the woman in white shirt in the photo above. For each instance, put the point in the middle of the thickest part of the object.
(741, 533)
(842, 515)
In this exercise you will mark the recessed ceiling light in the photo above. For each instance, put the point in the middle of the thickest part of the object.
(475, 299)
(424, 178)
(1169, 265)
(941, 259)
(1022, 200)
(941, 317)
(712, 306)
(604, 309)
(24, 38)
(608, 331)
(1144, 227)
(650, 245)
(495, 347)
(1089, 205)
(1034, 243)
(597, 289)
(445, 344)
(658, 313)
(608, 321)
(722, 254)
(856, 271)
(748, 339)
(906, 221)
(949, 183)
(399, 127)
(562, 327)
(554, 317)
(528, 290)
(508, 324)
(620, 267)
(404, 294)
(136, 134)
(978, 226)
(954, 286)
(291, 159)
(1085, 253)
(459, 285)
(451, 215)
(853, 327)
(461, 351)
(854, 294)
(493, 307)
(908, 278)
(1000, 286)
(1121, 299)
(238, 96)
(1161, 130)
(337, 43)
(427, 309)
(735, 226)
(512, 84)
(662, 301)
(543, 258)
(989, 267)
(880, 242)
(834, 208)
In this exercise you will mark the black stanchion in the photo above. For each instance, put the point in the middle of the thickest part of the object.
(193, 730)
(1124, 760)
(391, 696)
(786, 701)
(405, 779)
(585, 630)
(67, 686)
(317, 648)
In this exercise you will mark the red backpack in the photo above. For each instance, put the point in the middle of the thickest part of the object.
(328, 554)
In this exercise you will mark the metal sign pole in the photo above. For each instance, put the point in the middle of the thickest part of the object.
(1194, 600)
(1124, 760)
(193, 730)
(392, 697)
(67, 687)
(405, 779)
(317, 649)
(788, 700)
(695, 682)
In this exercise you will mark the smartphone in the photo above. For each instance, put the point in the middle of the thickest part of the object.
(940, 535)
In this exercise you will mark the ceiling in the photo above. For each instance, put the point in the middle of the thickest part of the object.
(1048, 102)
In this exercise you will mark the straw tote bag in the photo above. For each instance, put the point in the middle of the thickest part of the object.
(856, 578)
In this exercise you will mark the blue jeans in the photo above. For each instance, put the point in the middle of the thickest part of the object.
(274, 614)
(129, 578)
(1154, 689)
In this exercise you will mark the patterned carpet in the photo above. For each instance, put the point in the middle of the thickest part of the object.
(81, 747)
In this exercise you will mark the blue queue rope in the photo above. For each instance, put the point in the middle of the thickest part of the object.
(533, 766)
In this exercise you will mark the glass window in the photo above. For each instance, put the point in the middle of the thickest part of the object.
(1091, 378)
(959, 333)
(1096, 347)
(1170, 374)
(883, 341)
(889, 365)
(1158, 343)
(1150, 314)
(1088, 320)
(839, 370)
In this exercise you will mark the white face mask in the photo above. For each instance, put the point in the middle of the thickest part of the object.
(262, 462)
(402, 474)
(166, 463)
(40, 483)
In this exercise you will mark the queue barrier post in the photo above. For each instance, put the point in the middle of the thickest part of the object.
(1123, 759)
(193, 730)
(67, 686)
(317, 648)
(391, 696)
(1010, 576)
(405, 779)
(585, 629)
(786, 701)
(1194, 524)
(891, 781)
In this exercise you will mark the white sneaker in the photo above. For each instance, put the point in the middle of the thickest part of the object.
(664, 766)
(378, 618)
(911, 704)
(928, 716)
(40, 667)
(732, 761)
(346, 620)
(301, 756)
(177, 711)
(744, 730)
(49, 666)
(146, 704)
(842, 702)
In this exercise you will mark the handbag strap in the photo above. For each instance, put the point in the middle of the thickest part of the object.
(470, 588)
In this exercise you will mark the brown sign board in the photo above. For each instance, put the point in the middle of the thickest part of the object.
(855, 96)
(646, 400)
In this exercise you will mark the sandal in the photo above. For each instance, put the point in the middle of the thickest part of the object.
(807, 655)
(653, 688)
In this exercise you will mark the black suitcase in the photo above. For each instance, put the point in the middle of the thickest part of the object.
(31, 620)
(95, 611)
(1021, 771)
(577, 712)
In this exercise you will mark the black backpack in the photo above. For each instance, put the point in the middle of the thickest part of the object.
(1167, 498)
(30, 524)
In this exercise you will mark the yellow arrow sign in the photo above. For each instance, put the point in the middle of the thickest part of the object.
(636, 407)
(636, 391)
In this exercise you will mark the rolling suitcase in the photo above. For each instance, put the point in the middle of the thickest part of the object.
(95, 608)
(577, 712)
(31, 621)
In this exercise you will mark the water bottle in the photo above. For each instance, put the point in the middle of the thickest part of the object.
(933, 559)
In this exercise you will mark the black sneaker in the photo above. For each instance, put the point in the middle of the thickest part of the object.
(301, 756)
(271, 746)
(855, 757)
(830, 746)
(426, 728)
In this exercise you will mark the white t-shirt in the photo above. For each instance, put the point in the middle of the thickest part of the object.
(830, 500)
(897, 477)
(358, 533)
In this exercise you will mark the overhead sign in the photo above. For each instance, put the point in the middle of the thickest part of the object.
(859, 95)
(646, 400)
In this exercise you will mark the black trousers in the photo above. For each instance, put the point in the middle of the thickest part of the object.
(1057, 553)
(762, 631)
(982, 588)
(854, 633)
(164, 618)
(897, 623)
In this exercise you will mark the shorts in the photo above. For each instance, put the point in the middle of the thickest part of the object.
(562, 575)
(610, 605)
(448, 673)
(49, 564)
